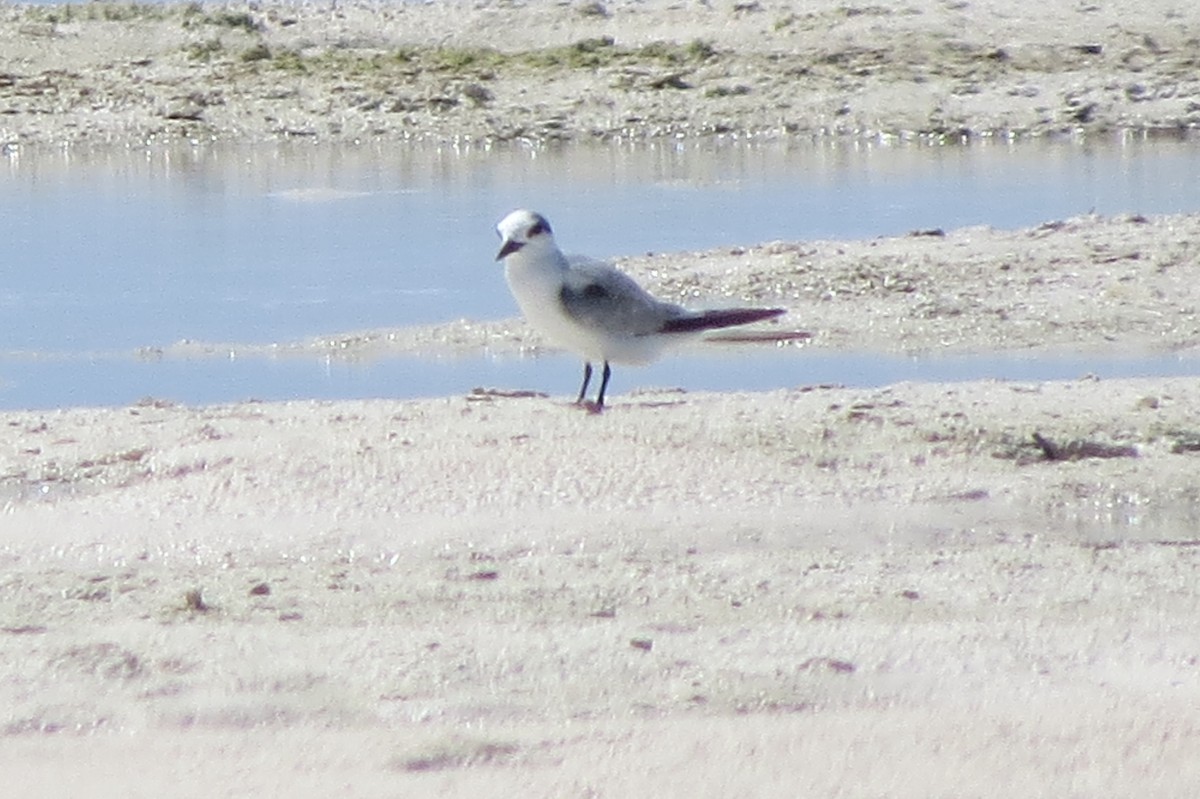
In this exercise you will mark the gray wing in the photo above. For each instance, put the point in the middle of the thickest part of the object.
(599, 295)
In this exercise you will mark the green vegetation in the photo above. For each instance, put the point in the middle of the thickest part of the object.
(603, 51)
(191, 15)
(453, 59)
(237, 20)
(479, 63)
(195, 15)
(256, 52)
(206, 50)
(583, 54)
(784, 22)
(288, 61)
(99, 11)
(484, 62)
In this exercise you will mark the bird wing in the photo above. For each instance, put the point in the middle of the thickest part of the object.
(599, 295)
(695, 321)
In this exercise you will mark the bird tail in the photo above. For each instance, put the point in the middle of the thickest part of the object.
(724, 317)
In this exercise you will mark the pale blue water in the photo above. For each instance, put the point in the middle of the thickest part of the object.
(123, 381)
(107, 252)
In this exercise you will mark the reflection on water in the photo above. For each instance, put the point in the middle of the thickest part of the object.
(119, 249)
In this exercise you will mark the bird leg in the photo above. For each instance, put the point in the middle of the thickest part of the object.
(587, 378)
(581, 400)
(607, 373)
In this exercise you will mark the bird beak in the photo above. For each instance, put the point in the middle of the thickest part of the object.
(508, 248)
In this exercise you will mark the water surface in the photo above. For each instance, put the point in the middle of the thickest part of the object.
(110, 251)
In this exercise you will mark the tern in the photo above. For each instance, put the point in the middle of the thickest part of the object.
(592, 308)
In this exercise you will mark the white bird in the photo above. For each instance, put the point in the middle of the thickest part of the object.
(593, 309)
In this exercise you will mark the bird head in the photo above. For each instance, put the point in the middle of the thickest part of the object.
(522, 229)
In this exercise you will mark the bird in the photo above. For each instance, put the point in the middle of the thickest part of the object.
(593, 309)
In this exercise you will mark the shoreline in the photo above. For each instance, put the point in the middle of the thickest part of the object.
(1078, 285)
(984, 588)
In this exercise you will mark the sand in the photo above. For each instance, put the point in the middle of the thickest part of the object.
(969, 589)
(111, 72)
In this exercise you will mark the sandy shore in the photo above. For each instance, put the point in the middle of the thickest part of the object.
(112, 72)
(980, 589)
(830, 591)
(1087, 284)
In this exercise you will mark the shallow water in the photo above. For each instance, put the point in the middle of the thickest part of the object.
(117, 381)
(111, 251)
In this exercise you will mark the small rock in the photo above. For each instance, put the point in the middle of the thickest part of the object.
(188, 109)
(193, 600)
(477, 94)
(591, 8)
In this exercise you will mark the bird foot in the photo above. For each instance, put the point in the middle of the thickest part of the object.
(591, 407)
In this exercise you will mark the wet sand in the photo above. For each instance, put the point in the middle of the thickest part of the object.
(980, 589)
